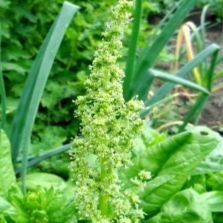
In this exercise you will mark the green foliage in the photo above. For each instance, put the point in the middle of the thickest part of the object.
(47, 195)
(21, 127)
(7, 176)
(161, 6)
(36, 81)
(44, 180)
(42, 205)
(139, 77)
(186, 184)
(21, 37)
(215, 200)
(172, 161)
(140, 81)
(185, 206)
(177, 80)
(6, 209)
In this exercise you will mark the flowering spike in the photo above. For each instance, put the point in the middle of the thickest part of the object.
(108, 127)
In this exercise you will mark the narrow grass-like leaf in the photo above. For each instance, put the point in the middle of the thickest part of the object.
(194, 113)
(2, 92)
(183, 72)
(161, 102)
(141, 80)
(203, 33)
(203, 24)
(34, 86)
(37, 78)
(133, 44)
(177, 80)
(45, 155)
(25, 145)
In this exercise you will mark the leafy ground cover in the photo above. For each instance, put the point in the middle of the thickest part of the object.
(137, 153)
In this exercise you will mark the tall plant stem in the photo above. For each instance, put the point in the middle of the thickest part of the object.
(104, 197)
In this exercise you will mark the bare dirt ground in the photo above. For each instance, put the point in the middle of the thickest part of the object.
(213, 112)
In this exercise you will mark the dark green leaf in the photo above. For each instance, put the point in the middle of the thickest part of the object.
(38, 75)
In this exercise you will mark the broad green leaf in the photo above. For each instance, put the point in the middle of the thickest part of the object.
(213, 162)
(5, 207)
(2, 219)
(179, 164)
(170, 162)
(152, 159)
(44, 180)
(184, 207)
(214, 199)
(7, 176)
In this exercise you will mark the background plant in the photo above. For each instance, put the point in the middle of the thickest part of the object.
(139, 77)
(29, 26)
(21, 38)
(161, 6)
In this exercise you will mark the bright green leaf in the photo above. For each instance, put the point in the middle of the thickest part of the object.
(44, 180)
(7, 176)
(185, 207)
(214, 199)
(5, 207)
(179, 164)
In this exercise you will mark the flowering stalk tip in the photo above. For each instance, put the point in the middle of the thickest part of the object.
(108, 128)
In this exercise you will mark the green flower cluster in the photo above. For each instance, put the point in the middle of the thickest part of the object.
(108, 127)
